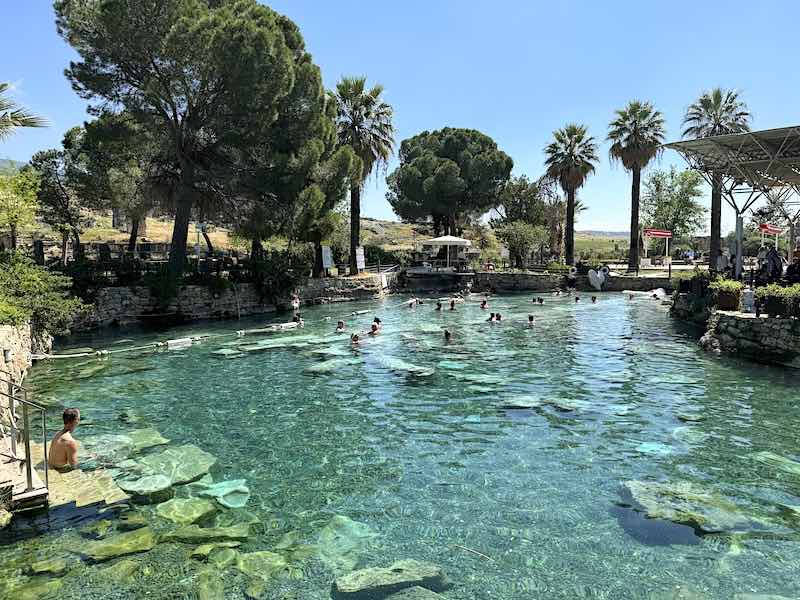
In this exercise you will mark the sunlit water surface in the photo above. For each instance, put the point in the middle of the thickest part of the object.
(512, 503)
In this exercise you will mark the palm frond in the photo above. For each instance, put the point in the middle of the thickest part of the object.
(13, 116)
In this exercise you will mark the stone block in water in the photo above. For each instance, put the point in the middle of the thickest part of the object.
(181, 464)
(131, 542)
(379, 582)
(342, 543)
(230, 494)
(192, 534)
(185, 511)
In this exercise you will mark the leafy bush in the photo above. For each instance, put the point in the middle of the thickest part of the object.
(726, 286)
(11, 314)
(776, 300)
(726, 293)
(163, 287)
(377, 254)
(279, 273)
(557, 267)
(41, 296)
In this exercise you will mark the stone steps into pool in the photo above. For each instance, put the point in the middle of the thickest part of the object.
(14, 477)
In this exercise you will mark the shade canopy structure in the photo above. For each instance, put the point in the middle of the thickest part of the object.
(750, 166)
(448, 241)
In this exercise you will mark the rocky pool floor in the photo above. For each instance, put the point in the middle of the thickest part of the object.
(597, 454)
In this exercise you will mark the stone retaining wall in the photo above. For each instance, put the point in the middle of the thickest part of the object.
(126, 305)
(764, 339)
(542, 282)
(686, 308)
(18, 341)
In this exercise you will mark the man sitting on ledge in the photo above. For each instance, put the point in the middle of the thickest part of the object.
(63, 455)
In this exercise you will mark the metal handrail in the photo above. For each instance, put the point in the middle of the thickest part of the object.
(14, 397)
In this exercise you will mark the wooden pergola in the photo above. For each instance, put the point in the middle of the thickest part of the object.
(750, 166)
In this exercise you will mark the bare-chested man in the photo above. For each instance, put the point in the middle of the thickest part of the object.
(63, 455)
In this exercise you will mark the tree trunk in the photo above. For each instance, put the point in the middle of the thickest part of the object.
(633, 253)
(64, 242)
(209, 245)
(183, 214)
(78, 252)
(569, 233)
(134, 235)
(790, 248)
(715, 243)
(318, 268)
(355, 225)
(256, 250)
(13, 236)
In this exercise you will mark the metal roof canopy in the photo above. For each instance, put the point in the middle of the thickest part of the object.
(751, 165)
(755, 163)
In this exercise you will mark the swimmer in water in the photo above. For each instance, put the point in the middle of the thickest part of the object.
(491, 318)
(374, 329)
(484, 304)
(340, 327)
(577, 299)
(498, 317)
(594, 299)
(447, 335)
(531, 321)
(438, 305)
(630, 296)
(377, 322)
(541, 300)
(452, 304)
(354, 339)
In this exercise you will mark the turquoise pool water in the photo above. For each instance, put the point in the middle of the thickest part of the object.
(502, 459)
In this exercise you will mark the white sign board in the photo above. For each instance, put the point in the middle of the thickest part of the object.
(360, 263)
(327, 257)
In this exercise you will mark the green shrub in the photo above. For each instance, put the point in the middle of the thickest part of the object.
(43, 297)
(163, 287)
(726, 286)
(557, 267)
(726, 293)
(776, 300)
(377, 254)
(11, 314)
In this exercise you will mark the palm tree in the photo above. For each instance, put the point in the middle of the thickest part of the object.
(364, 123)
(717, 112)
(571, 157)
(13, 116)
(636, 135)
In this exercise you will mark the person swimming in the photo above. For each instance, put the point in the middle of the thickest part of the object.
(531, 320)
(541, 300)
(298, 319)
(340, 327)
(411, 303)
(438, 305)
(484, 304)
(498, 317)
(491, 318)
(447, 335)
(452, 304)
(577, 299)
(377, 321)
(374, 330)
(594, 299)
(354, 338)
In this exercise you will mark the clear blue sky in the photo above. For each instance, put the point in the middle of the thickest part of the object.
(514, 69)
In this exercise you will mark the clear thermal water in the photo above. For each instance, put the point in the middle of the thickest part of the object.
(513, 503)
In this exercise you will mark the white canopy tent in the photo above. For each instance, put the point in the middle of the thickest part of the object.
(447, 241)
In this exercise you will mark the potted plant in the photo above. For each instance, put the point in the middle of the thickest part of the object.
(727, 293)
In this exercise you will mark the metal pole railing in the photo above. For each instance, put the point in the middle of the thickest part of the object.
(28, 460)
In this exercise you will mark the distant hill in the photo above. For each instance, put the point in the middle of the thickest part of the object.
(603, 234)
(8, 165)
